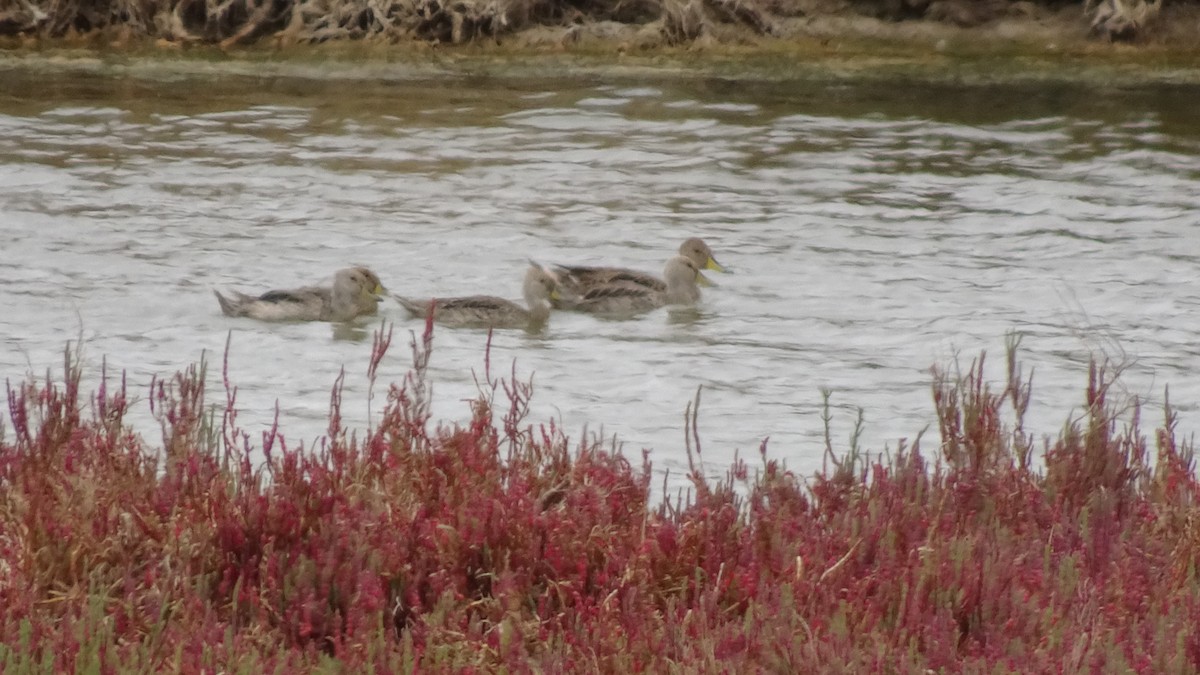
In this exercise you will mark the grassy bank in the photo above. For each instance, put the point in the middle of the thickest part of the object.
(566, 24)
(499, 544)
(1048, 44)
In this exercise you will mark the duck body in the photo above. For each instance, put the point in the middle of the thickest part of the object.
(489, 311)
(618, 300)
(356, 292)
(680, 286)
(473, 311)
(311, 303)
(579, 281)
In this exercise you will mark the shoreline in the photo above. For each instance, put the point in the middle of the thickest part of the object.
(1042, 48)
(764, 67)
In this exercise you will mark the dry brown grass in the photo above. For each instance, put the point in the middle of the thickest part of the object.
(231, 22)
(234, 22)
(1122, 20)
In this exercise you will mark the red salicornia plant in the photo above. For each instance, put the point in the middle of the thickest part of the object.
(497, 545)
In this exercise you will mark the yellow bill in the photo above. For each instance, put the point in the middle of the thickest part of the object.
(713, 265)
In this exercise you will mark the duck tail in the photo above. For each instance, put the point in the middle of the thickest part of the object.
(228, 307)
(416, 308)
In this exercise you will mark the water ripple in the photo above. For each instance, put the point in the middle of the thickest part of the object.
(870, 236)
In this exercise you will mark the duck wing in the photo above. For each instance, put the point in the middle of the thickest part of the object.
(297, 296)
(470, 303)
(618, 298)
(619, 290)
(475, 303)
(583, 277)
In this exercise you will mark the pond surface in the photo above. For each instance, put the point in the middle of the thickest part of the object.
(872, 231)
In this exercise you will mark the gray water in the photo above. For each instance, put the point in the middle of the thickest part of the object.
(871, 231)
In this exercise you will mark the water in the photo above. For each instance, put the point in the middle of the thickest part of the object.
(872, 231)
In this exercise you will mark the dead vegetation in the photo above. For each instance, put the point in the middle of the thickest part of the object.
(234, 22)
(230, 22)
(1121, 20)
(685, 22)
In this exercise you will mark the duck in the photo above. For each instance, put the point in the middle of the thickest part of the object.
(578, 280)
(681, 286)
(356, 291)
(541, 285)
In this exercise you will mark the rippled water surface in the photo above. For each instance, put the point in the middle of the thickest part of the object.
(872, 232)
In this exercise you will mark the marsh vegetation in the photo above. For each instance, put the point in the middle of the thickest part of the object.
(419, 546)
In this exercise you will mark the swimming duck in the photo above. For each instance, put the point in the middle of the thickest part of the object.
(356, 291)
(682, 279)
(487, 311)
(579, 279)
